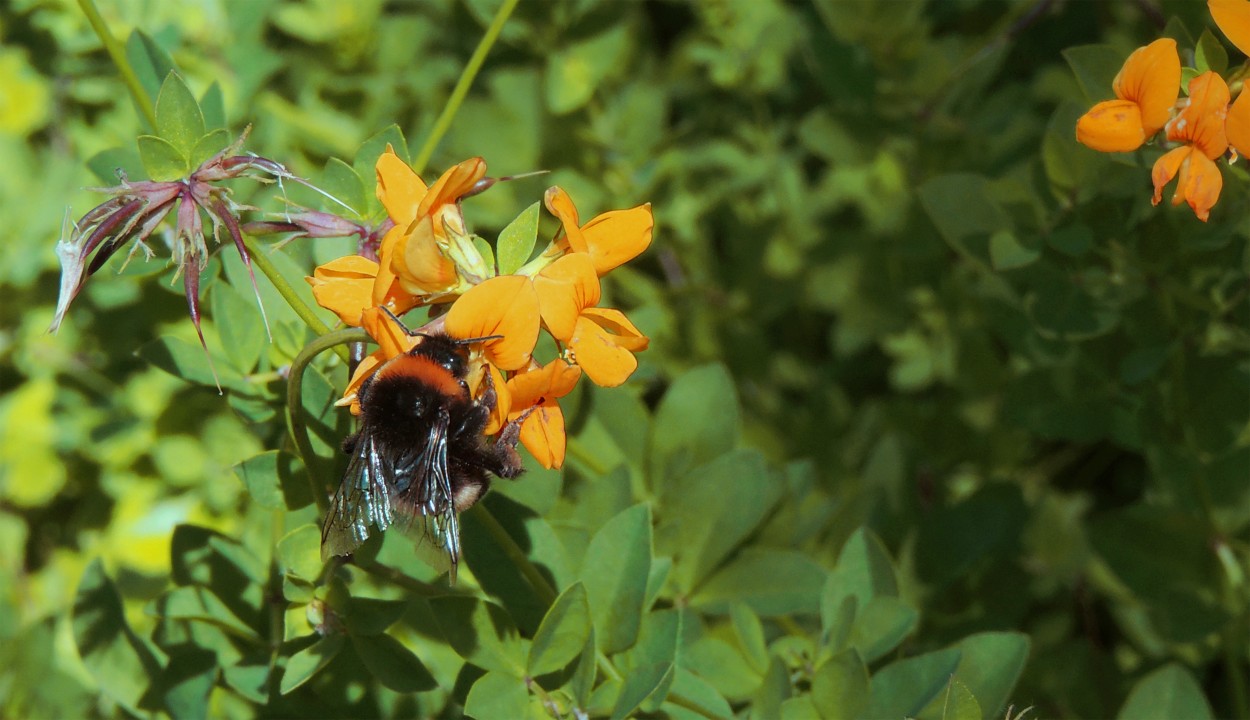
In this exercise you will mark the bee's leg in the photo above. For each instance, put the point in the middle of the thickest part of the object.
(488, 397)
(511, 432)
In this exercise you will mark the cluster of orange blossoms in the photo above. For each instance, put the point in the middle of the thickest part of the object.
(1204, 124)
(429, 257)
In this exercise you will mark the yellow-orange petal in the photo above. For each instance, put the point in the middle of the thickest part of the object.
(453, 185)
(1201, 120)
(543, 435)
(419, 264)
(1233, 19)
(391, 339)
(399, 188)
(1199, 185)
(1165, 168)
(1151, 77)
(1112, 126)
(506, 306)
(565, 288)
(561, 205)
(626, 334)
(618, 236)
(603, 345)
(1237, 124)
(366, 368)
(344, 286)
(503, 399)
(553, 380)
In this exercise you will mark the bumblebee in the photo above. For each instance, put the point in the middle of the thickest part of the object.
(419, 453)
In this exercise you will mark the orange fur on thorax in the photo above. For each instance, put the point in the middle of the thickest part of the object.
(425, 370)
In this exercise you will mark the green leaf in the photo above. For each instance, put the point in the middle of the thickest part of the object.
(299, 552)
(801, 707)
(1169, 692)
(840, 687)
(1008, 252)
(691, 692)
(864, 571)
(881, 625)
(954, 539)
(772, 692)
(497, 695)
(178, 118)
(904, 687)
(563, 632)
(120, 662)
(207, 146)
(372, 149)
(370, 616)
(392, 664)
(251, 680)
(772, 582)
(162, 161)
(151, 63)
(702, 524)
(697, 421)
(965, 213)
(990, 666)
(275, 480)
(615, 571)
(197, 603)
(189, 362)
(750, 633)
(186, 682)
(516, 241)
(106, 164)
(573, 74)
(239, 324)
(343, 183)
(638, 687)
(1095, 67)
(1210, 54)
(482, 633)
(213, 106)
(956, 703)
(306, 663)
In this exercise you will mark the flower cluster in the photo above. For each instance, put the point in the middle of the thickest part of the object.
(429, 257)
(1199, 129)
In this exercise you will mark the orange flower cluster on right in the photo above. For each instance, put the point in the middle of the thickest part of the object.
(1199, 128)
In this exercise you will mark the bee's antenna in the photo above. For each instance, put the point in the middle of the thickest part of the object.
(417, 333)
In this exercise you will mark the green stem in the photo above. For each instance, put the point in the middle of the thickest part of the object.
(262, 262)
(118, 55)
(295, 405)
(458, 93)
(542, 588)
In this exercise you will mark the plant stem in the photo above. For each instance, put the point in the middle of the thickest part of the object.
(261, 260)
(118, 55)
(542, 588)
(295, 404)
(458, 93)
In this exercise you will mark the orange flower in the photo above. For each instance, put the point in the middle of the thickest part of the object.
(429, 246)
(506, 306)
(392, 342)
(1237, 124)
(542, 432)
(611, 239)
(1233, 19)
(346, 285)
(565, 288)
(1201, 126)
(604, 344)
(1146, 89)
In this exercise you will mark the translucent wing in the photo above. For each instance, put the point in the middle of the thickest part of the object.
(427, 493)
(363, 501)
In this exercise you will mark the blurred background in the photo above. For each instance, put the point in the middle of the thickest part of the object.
(961, 328)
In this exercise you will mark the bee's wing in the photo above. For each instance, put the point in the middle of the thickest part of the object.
(428, 494)
(363, 501)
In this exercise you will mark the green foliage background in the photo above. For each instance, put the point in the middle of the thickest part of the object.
(940, 415)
